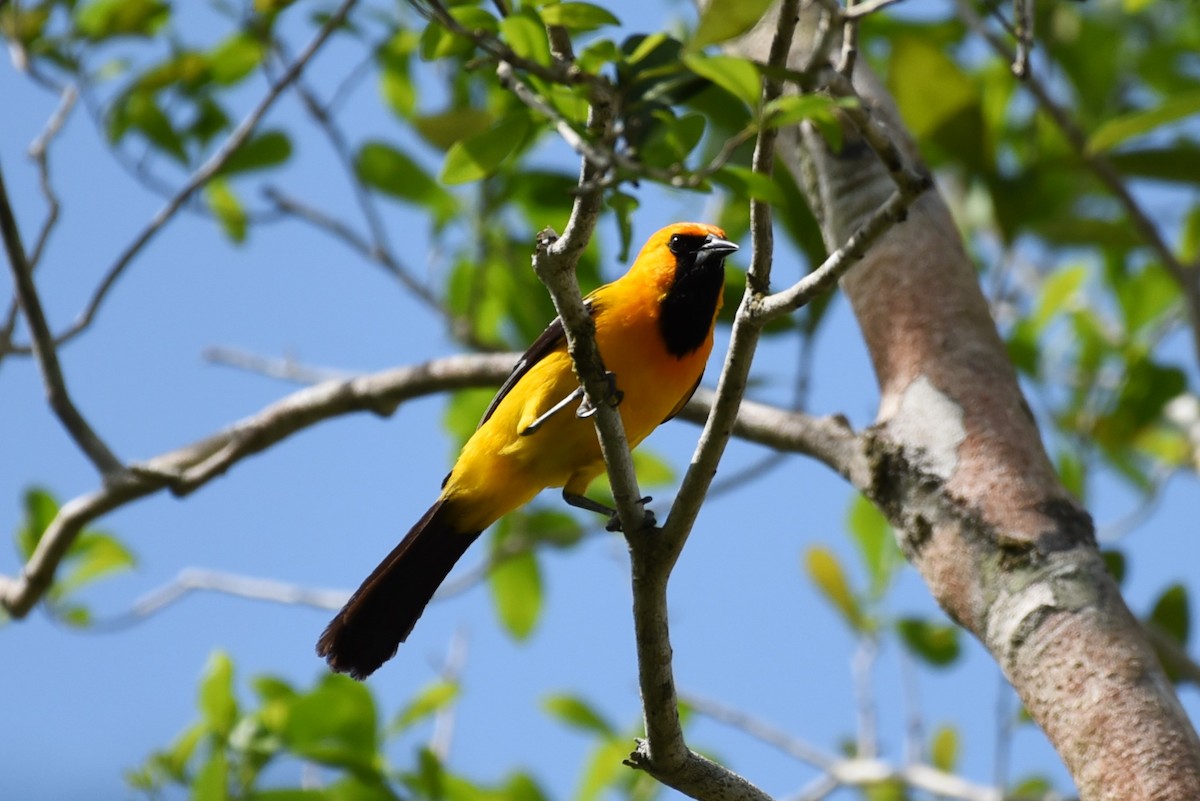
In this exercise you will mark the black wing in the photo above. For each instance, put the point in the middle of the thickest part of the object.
(546, 343)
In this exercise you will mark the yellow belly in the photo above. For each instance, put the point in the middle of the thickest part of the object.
(500, 470)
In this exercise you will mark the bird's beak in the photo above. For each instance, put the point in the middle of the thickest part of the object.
(714, 244)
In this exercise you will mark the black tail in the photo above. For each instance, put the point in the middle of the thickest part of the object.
(382, 612)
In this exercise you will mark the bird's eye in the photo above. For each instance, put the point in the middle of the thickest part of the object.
(676, 244)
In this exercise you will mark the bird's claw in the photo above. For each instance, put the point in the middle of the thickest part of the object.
(613, 397)
(648, 520)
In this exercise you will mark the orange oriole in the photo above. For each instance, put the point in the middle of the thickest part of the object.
(654, 329)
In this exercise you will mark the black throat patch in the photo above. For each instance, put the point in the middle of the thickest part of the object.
(687, 311)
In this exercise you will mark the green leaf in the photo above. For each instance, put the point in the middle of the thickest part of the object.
(1033, 786)
(935, 643)
(212, 780)
(335, 725)
(140, 111)
(235, 58)
(551, 526)
(516, 585)
(672, 138)
(522, 787)
(652, 470)
(294, 794)
(747, 183)
(1171, 613)
(447, 127)
(577, 713)
(391, 171)
(103, 19)
(580, 17)
(791, 109)
(1115, 564)
(875, 541)
(1119, 129)
(724, 19)
(437, 42)
(267, 149)
(1179, 163)
(1060, 291)
(525, 33)
(228, 210)
(395, 81)
(602, 770)
(1146, 296)
(738, 76)
(92, 556)
(40, 510)
(217, 703)
(478, 156)
(826, 573)
(944, 749)
(431, 700)
(464, 411)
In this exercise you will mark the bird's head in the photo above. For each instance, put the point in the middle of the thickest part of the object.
(682, 249)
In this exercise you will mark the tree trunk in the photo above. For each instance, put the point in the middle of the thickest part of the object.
(958, 466)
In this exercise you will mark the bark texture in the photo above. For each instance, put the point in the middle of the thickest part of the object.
(957, 464)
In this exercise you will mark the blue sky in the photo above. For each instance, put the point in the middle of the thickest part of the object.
(321, 509)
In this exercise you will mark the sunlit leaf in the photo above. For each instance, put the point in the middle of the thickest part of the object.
(260, 152)
(738, 76)
(747, 183)
(516, 584)
(335, 725)
(382, 166)
(577, 713)
(1119, 129)
(212, 780)
(876, 543)
(480, 155)
(722, 20)
(944, 748)
(235, 58)
(525, 33)
(102, 19)
(228, 210)
(578, 16)
(217, 703)
(431, 700)
(445, 128)
(826, 573)
(935, 643)
(1058, 292)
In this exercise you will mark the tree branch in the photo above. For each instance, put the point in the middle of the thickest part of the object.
(203, 175)
(188, 468)
(43, 345)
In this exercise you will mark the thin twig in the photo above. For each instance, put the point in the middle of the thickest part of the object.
(204, 174)
(840, 772)
(187, 468)
(285, 369)
(43, 345)
(39, 152)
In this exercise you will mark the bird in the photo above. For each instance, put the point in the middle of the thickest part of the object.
(654, 330)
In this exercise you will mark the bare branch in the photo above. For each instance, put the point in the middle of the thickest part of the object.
(252, 588)
(39, 152)
(840, 772)
(44, 348)
(285, 369)
(187, 468)
(204, 174)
